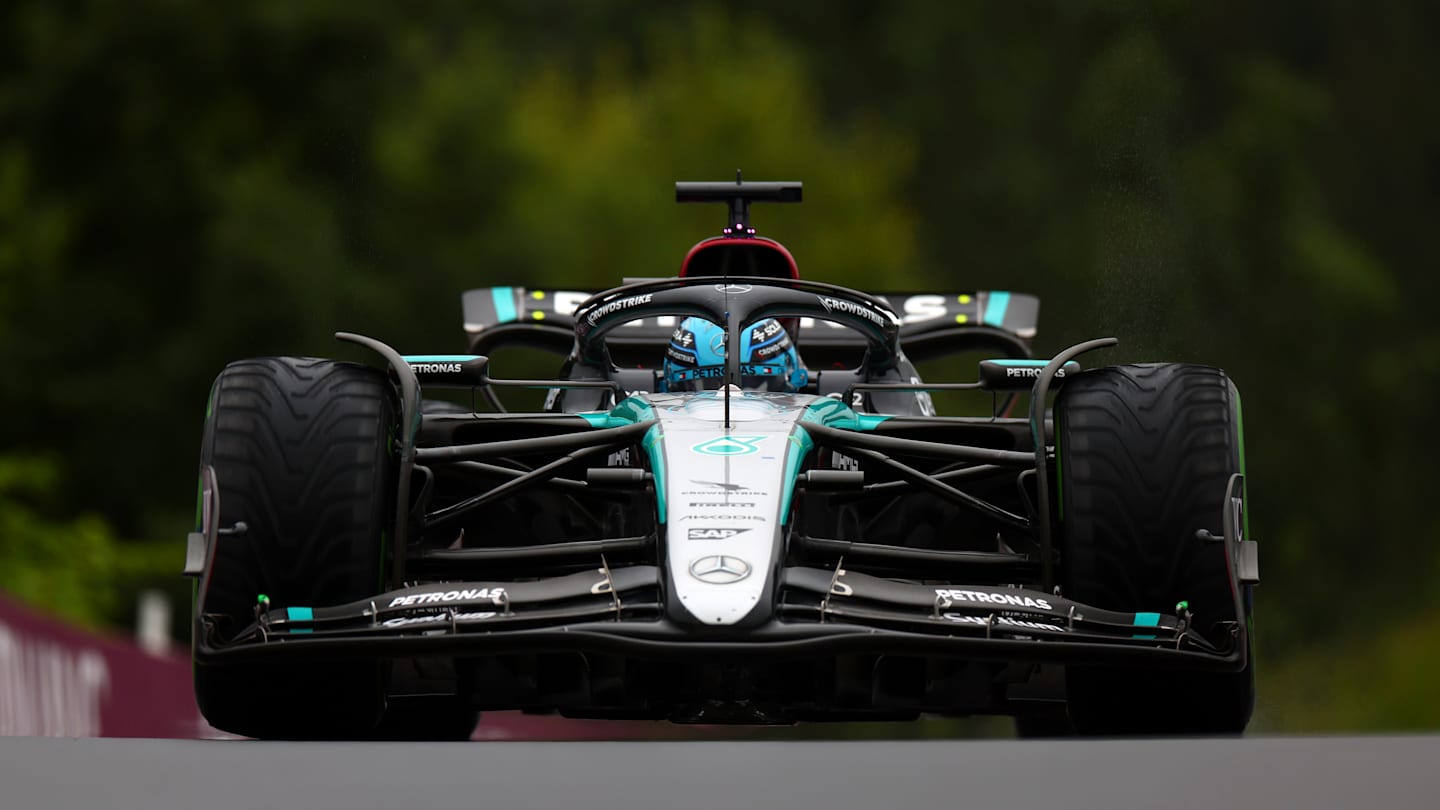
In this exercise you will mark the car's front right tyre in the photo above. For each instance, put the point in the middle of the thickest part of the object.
(1145, 455)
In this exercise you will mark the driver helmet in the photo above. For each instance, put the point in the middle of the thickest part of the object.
(695, 358)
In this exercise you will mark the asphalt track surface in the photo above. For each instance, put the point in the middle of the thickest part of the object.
(1353, 772)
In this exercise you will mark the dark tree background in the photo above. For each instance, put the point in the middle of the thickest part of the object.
(1250, 185)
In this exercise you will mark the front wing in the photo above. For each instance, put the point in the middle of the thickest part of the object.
(822, 612)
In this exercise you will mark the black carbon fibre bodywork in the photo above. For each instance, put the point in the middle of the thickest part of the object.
(890, 579)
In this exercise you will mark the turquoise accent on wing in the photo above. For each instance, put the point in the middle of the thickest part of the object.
(1146, 620)
(504, 298)
(995, 308)
(300, 614)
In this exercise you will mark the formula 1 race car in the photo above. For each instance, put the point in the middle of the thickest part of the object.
(736, 505)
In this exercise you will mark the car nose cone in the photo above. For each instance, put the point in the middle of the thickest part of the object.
(719, 569)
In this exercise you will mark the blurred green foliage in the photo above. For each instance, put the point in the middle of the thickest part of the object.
(1247, 185)
(73, 567)
(66, 567)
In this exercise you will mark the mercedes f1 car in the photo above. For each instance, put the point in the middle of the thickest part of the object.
(736, 505)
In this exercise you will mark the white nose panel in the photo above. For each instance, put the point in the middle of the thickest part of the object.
(723, 491)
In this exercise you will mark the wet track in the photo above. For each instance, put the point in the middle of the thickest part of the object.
(1355, 772)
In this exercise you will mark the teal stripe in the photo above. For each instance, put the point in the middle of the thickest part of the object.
(833, 413)
(1024, 363)
(630, 411)
(602, 419)
(633, 411)
(440, 358)
(995, 308)
(504, 304)
(869, 421)
(1146, 620)
(800, 446)
(652, 443)
(300, 614)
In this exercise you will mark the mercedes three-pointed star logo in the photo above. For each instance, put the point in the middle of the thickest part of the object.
(719, 569)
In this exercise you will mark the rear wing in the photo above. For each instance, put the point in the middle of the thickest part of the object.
(926, 319)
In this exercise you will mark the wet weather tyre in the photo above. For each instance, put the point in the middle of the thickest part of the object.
(302, 455)
(1145, 454)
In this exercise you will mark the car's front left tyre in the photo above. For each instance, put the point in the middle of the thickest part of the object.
(303, 457)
